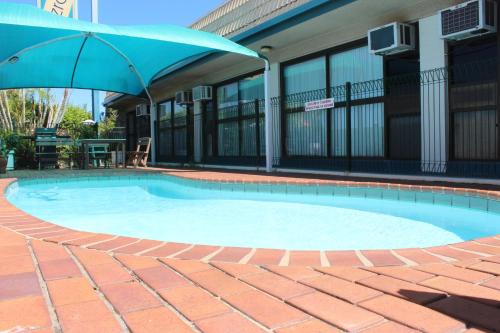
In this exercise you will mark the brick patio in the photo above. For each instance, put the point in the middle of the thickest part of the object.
(55, 279)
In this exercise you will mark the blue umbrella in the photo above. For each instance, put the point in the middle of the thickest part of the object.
(40, 49)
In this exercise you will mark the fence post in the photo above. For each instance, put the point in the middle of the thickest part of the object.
(240, 129)
(348, 104)
(257, 131)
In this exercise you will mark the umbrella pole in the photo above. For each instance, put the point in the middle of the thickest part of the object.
(268, 119)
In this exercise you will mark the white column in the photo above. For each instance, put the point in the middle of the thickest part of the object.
(268, 119)
(198, 131)
(433, 98)
(274, 88)
(152, 121)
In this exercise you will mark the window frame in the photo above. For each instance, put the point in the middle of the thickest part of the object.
(239, 119)
(326, 55)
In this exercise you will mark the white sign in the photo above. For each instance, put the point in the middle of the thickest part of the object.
(58, 7)
(320, 104)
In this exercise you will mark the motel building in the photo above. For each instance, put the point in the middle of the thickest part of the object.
(363, 87)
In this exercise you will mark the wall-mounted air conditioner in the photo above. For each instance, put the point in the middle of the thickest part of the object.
(141, 110)
(184, 97)
(391, 39)
(469, 19)
(202, 93)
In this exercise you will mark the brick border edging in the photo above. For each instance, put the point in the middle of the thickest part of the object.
(20, 222)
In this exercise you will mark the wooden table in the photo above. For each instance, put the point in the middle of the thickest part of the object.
(85, 143)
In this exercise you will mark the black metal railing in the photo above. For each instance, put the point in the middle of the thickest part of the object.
(442, 121)
(175, 139)
(235, 134)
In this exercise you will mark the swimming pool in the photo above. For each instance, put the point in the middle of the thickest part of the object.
(257, 215)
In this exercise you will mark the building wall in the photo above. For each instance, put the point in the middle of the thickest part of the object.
(331, 31)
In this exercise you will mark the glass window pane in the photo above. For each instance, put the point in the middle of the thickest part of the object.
(475, 135)
(367, 130)
(305, 76)
(165, 116)
(180, 115)
(165, 143)
(227, 101)
(248, 137)
(307, 133)
(338, 128)
(356, 65)
(180, 143)
(228, 139)
(251, 88)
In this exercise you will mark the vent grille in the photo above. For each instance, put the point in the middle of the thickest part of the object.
(461, 19)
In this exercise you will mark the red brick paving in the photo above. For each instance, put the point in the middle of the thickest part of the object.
(343, 258)
(231, 254)
(95, 290)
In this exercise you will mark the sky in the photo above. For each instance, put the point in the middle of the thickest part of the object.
(134, 12)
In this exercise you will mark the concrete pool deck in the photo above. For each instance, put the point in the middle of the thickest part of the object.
(55, 279)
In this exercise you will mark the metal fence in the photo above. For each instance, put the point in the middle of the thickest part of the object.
(443, 121)
(175, 139)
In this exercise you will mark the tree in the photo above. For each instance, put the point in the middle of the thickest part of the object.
(72, 123)
(24, 110)
(109, 123)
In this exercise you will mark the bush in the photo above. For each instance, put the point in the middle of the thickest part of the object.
(25, 155)
(73, 126)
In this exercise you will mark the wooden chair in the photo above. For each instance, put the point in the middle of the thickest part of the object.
(140, 156)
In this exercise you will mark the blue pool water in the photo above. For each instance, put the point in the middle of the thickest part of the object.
(157, 208)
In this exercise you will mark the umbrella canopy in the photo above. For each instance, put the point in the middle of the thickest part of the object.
(42, 50)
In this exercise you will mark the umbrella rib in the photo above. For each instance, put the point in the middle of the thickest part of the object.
(32, 47)
(127, 59)
(78, 59)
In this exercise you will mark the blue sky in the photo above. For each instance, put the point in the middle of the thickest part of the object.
(129, 12)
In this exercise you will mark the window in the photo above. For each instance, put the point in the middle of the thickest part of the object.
(172, 131)
(307, 132)
(251, 88)
(237, 118)
(356, 65)
(165, 130)
(476, 135)
(180, 130)
(367, 130)
(165, 117)
(474, 99)
(305, 76)
(227, 101)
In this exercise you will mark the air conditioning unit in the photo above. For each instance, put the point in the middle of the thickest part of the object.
(202, 93)
(391, 39)
(141, 110)
(469, 19)
(184, 97)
